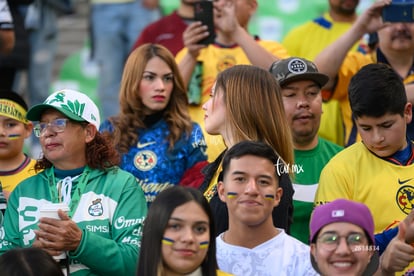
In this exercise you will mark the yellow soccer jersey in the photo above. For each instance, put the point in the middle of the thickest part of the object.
(215, 59)
(309, 39)
(357, 174)
(10, 179)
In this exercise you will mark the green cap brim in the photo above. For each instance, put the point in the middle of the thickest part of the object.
(36, 112)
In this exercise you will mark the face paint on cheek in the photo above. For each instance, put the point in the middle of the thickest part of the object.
(231, 194)
(167, 241)
(204, 244)
(269, 197)
(14, 136)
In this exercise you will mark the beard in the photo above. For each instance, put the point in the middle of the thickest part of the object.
(346, 10)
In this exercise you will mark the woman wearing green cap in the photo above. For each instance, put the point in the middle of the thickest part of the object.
(101, 231)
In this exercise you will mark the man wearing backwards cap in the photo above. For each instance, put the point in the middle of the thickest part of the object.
(15, 165)
(101, 232)
(342, 239)
(301, 93)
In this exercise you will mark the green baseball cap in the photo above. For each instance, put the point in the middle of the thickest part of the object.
(73, 104)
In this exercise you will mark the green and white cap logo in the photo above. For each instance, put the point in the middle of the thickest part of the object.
(73, 104)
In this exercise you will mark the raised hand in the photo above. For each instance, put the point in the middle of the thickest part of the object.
(192, 35)
(398, 254)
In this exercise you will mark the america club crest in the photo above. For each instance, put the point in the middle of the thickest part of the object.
(145, 160)
(405, 198)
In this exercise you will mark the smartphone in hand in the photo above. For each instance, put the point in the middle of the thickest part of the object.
(399, 11)
(203, 11)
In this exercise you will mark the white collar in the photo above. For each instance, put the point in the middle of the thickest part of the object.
(196, 272)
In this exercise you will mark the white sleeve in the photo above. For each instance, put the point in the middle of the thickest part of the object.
(6, 21)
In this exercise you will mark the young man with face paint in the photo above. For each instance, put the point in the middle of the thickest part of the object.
(15, 165)
(250, 189)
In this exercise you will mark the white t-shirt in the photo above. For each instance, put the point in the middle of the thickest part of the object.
(6, 21)
(281, 255)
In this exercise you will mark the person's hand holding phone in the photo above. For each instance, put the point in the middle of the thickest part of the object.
(371, 19)
(194, 32)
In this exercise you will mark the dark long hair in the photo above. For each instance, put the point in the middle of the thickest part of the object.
(150, 258)
(29, 261)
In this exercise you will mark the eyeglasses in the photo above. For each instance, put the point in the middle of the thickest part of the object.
(57, 126)
(330, 240)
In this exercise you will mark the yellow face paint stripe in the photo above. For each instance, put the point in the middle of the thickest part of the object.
(204, 244)
(231, 194)
(167, 241)
(14, 136)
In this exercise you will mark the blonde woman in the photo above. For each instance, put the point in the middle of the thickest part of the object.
(246, 104)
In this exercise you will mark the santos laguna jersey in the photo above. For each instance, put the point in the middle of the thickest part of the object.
(386, 188)
(110, 211)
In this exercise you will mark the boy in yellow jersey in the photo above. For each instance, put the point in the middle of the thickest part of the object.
(378, 171)
(14, 129)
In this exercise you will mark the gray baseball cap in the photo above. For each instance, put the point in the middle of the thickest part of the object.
(295, 69)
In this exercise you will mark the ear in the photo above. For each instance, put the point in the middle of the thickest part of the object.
(220, 191)
(90, 131)
(253, 7)
(408, 112)
(278, 196)
(313, 251)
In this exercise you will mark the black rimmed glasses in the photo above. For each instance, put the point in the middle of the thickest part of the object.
(330, 241)
(57, 125)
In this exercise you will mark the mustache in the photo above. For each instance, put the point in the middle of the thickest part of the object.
(301, 115)
(401, 34)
